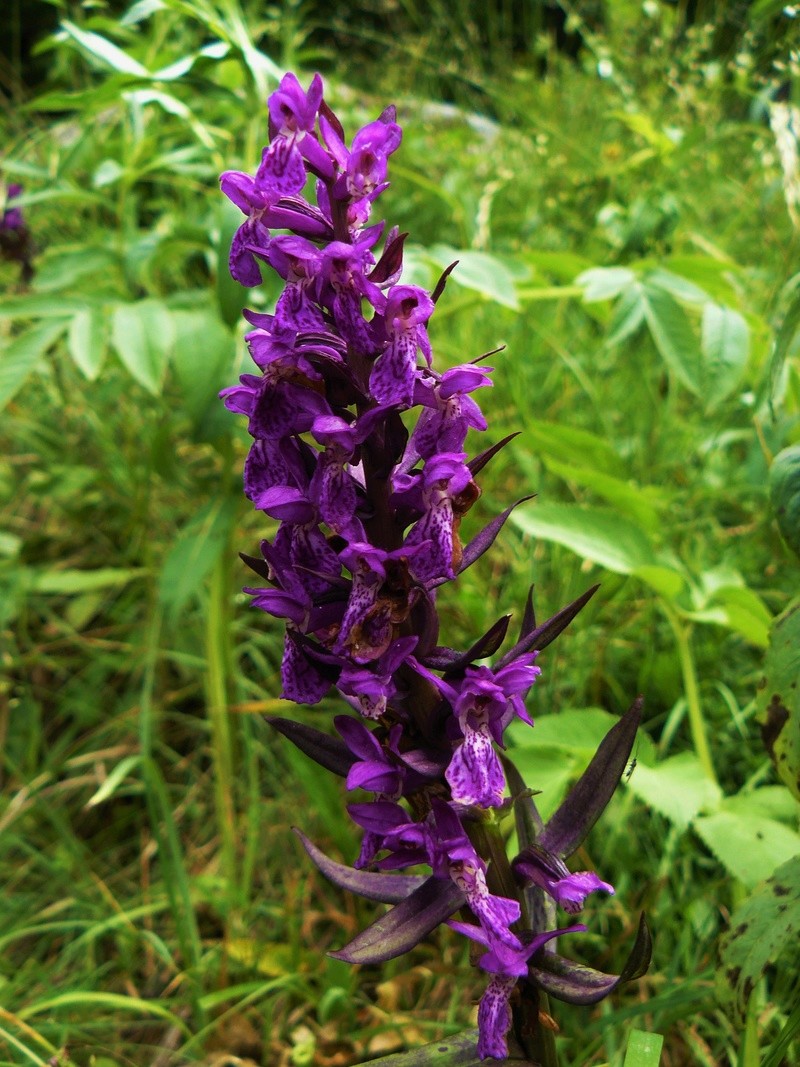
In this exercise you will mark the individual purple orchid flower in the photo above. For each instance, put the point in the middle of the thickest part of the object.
(536, 866)
(506, 965)
(394, 375)
(369, 687)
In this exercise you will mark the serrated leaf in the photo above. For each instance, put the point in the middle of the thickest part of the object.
(481, 272)
(673, 336)
(779, 699)
(194, 553)
(597, 534)
(762, 929)
(87, 341)
(677, 788)
(749, 846)
(604, 283)
(143, 335)
(726, 349)
(24, 354)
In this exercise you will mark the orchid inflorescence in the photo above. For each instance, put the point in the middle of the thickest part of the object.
(369, 505)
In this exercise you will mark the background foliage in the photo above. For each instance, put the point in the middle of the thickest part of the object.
(620, 185)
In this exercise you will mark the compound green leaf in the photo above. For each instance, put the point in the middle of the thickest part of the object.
(779, 699)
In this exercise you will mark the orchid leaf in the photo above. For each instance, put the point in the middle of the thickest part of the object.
(477, 464)
(400, 929)
(485, 539)
(576, 983)
(644, 1049)
(329, 752)
(385, 888)
(588, 798)
(544, 635)
(485, 646)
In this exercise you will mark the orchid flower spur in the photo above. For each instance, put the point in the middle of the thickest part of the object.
(360, 454)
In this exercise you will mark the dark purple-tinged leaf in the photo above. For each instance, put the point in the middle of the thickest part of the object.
(406, 924)
(441, 659)
(545, 634)
(260, 566)
(390, 262)
(477, 464)
(578, 984)
(385, 888)
(437, 292)
(329, 752)
(486, 645)
(458, 1051)
(528, 624)
(587, 799)
(479, 544)
(332, 118)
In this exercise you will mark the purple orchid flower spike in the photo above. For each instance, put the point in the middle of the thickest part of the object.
(360, 456)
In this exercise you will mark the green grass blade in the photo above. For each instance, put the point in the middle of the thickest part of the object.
(644, 1050)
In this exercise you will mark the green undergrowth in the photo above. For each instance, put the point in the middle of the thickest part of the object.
(622, 229)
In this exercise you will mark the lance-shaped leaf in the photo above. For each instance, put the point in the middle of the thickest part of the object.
(541, 908)
(544, 635)
(385, 888)
(477, 464)
(390, 262)
(585, 802)
(575, 983)
(479, 544)
(528, 624)
(400, 929)
(437, 292)
(448, 659)
(329, 752)
(458, 1051)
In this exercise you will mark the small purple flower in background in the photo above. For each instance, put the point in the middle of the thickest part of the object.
(16, 242)
(369, 506)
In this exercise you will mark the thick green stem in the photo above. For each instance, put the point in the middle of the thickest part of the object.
(697, 723)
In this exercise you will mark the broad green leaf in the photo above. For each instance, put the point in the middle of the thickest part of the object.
(64, 268)
(761, 931)
(666, 580)
(480, 272)
(69, 582)
(577, 730)
(604, 283)
(573, 445)
(779, 699)
(677, 788)
(38, 306)
(673, 336)
(749, 846)
(87, 341)
(629, 499)
(143, 335)
(202, 359)
(745, 613)
(784, 494)
(215, 50)
(684, 291)
(784, 339)
(597, 534)
(726, 348)
(103, 50)
(196, 550)
(20, 358)
(710, 274)
(564, 266)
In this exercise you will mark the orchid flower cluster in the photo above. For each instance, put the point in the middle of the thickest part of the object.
(359, 454)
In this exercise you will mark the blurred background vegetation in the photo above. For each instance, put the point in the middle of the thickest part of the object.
(620, 184)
